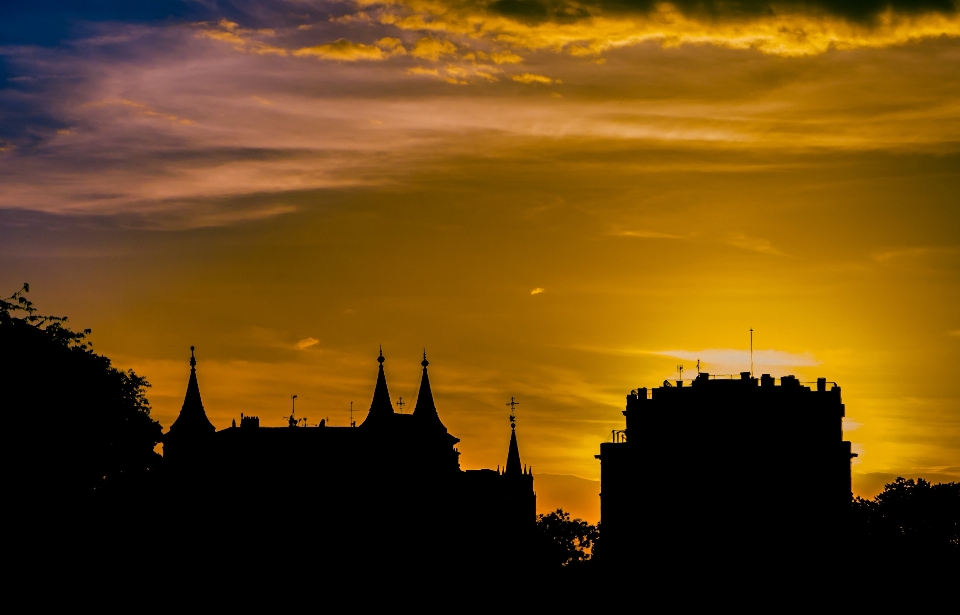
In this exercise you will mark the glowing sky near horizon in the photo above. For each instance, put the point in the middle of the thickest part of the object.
(561, 201)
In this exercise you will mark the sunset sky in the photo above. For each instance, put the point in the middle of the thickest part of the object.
(561, 201)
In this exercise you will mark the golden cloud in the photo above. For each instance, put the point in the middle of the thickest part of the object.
(362, 16)
(393, 46)
(505, 57)
(242, 39)
(534, 78)
(343, 50)
(432, 49)
(783, 32)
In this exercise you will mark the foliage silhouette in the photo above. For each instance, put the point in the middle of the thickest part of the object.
(910, 517)
(84, 427)
(564, 541)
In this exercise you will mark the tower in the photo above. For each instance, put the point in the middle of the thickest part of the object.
(190, 433)
(520, 500)
(425, 410)
(381, 408)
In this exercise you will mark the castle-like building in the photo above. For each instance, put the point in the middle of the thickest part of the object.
(725, 466)
(367, 488)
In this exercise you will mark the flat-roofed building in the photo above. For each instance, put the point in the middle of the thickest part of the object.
(722, 463)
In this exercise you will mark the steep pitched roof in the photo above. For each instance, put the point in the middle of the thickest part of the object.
(192, 419)
(425, 410)
(381, 408)
(513, 456)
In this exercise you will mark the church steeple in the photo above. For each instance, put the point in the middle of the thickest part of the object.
(513, 456)
(426, 410)
(193, 419)
(381, 407)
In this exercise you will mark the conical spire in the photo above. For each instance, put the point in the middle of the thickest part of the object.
(193, 419)
(513, 456)
(425, 410)
(381, 406)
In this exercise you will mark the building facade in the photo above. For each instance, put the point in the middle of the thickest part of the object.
(725, 463)
(391, 486)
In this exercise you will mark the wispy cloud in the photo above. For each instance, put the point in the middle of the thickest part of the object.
(754, 244)
(141, 108)
(729, 359)
(537, 291)
(914, 252)
(733, 357)
(646, 234)
(307, 342)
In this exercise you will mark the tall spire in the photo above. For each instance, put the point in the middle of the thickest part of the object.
(513, 456)
(381, 406)
(426, 410)
(193, 419)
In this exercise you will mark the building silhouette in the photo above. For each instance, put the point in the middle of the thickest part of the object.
(725, 466)
(390, 488)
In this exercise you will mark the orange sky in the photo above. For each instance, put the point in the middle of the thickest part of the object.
(561, 202)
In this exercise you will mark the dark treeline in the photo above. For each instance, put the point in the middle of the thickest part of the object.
(81, 445)
(81, 429)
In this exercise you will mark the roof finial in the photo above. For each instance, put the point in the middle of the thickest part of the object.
(193, 359)
(424, 363)
(380, 359)
(513, 417)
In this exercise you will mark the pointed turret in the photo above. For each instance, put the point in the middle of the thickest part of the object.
(193, 419)
(381, 408)
(426, 410)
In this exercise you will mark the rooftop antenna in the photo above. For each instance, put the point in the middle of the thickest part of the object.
(291, 421)
(751, 352)
(698, 367)
(352, 422)
(513, 403)
(401, 403)
(680, 370)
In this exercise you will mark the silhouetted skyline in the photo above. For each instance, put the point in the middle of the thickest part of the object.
(560, 204)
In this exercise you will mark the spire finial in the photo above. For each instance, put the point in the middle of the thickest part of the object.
(513, 403)
(193, 359)
(380, 359)
(424, 363)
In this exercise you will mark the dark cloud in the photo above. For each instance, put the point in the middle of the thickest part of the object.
(52, 22)
(854, 10)
(49, 22)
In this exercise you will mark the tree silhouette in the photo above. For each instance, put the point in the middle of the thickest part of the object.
(910, 516)
(82, 426)
(565, 541)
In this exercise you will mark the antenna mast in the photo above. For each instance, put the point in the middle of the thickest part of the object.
(751, 352)
(352, 422)
(680, 371)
